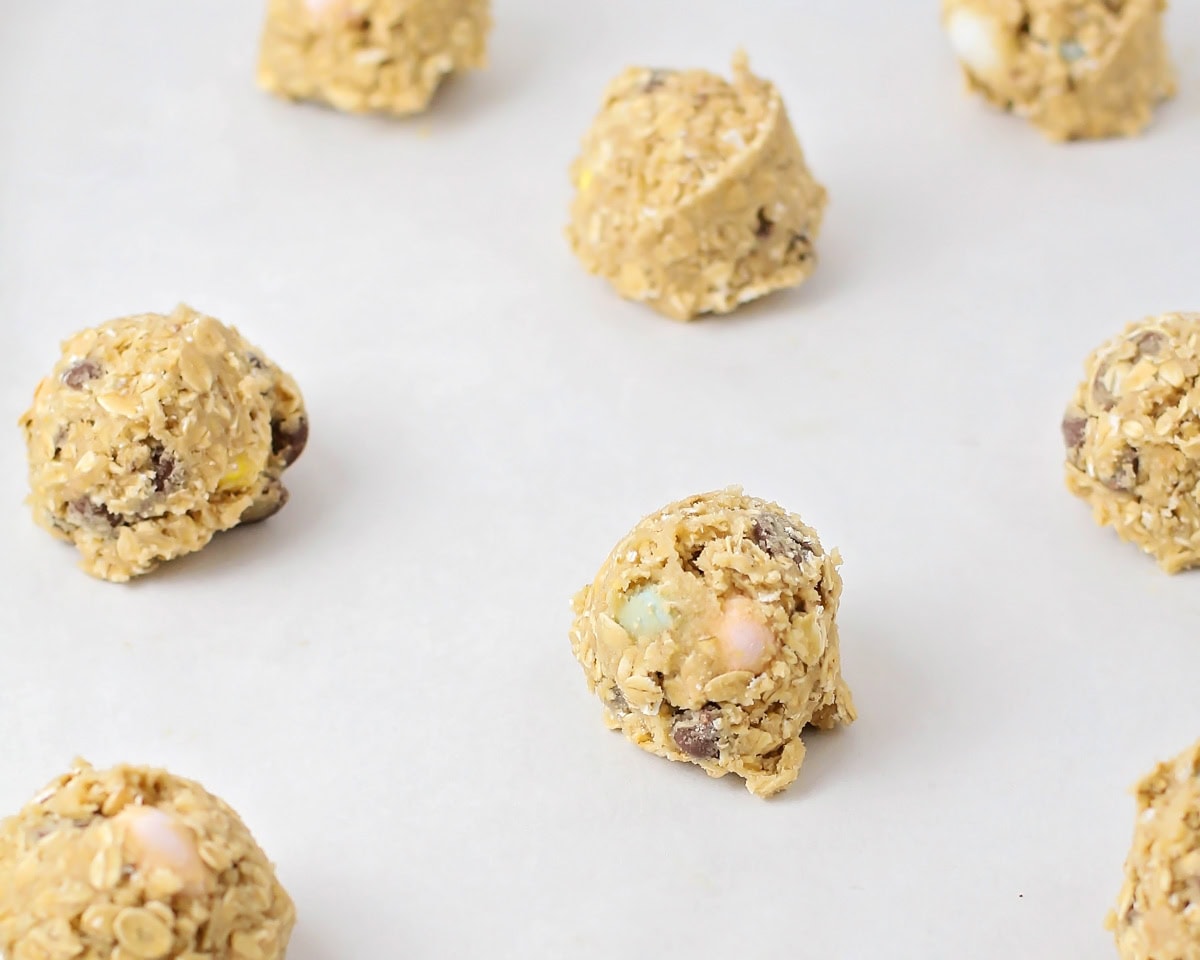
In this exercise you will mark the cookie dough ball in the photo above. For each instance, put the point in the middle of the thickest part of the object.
(1157, 916)
(1075, 68)
(155, 432)
(710, 636)
(692, 192)
(136, 864)
(1132, 433)
(381, 56)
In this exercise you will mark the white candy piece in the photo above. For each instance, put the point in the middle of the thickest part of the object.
(975, 40)
(158, 841)
(746, 642)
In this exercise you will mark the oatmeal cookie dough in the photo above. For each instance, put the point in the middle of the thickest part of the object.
(136, 864)
(692, 194)
(380, 56)
(710, 635)
(1132, 435)
(1157, 916)
(1076, 68)
(155, 432)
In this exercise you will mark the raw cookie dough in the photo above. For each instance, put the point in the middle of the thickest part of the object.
(383, 56)
(155, 432)
(710, 636)
(692, 194)
(1132, 433)
(1075, 68)
(1157, 916)
(136, 864)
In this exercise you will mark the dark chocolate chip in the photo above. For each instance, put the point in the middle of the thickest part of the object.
(799, 246)
(765, 226)
(255, 361)
(695, 733)
(165, 469)
(92, 514)
(617, 702)
(1074, 426)
(80, 373)
(778, 538)
(289, 444)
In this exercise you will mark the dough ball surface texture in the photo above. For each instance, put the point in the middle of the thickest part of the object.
(692, 192)
(136, 864)
(710, 636)
(371, 56)
(155, 432)
(1077, 69)
(1157, 915)
(1132, 437)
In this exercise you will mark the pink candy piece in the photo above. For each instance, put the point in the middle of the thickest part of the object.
(160, 842)
(746, 642)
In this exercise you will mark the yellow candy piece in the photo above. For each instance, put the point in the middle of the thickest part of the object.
(585, 179)
(239, 475)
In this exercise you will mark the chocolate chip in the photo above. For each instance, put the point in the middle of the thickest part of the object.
(765, 226)
(288, 444)
(656, 79)
(1125, 472)
(695, 732)
(778, 538)
(268, 503)
(799, 246)
(1150, 343)
(1074, 426)
(617, 703)
(92, 514)
(255, 361)
(80, 373)
(165, 469)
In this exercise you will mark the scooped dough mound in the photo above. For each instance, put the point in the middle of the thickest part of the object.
(710, 636)
(155, 432)
(692, 193)
(378, 56)
(136, 864)
(1132, 435)
(1076, 68)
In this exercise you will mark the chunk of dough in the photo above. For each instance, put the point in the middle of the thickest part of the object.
(692, 193)
(710, 636)
(1076, 68)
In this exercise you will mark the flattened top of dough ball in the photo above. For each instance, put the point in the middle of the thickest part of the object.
(662, 136)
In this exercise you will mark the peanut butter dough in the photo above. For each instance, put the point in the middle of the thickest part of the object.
(710, 636)
(1076, 68)
(1132, 433)
(136, 864)
(381, 56)
(1157, 916)
(692, 194)
(155, 432)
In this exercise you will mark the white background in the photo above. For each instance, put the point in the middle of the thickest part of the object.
(379, 678)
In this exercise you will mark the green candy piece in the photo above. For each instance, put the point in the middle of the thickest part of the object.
(644, 613)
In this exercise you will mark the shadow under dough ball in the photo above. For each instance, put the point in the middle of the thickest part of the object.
(1077, 69)
(136, 864)
(1132, 437)
(1157, 916)
(155, 432)
(378, 56)
(710, 635)
(692, 193)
